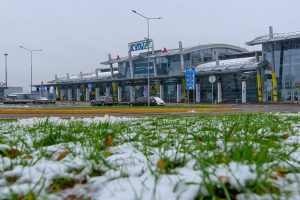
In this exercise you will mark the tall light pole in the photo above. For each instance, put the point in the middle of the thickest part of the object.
(148, 38)
(30, 50)
(5, 68)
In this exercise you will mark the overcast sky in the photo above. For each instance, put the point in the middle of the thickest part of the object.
(76, 35)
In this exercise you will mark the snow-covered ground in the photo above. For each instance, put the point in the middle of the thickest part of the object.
(152, 158)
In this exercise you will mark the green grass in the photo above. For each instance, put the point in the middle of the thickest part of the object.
(248, 139)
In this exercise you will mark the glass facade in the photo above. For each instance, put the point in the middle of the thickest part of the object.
(207, 55)
(169, 77)
(231, 87)
(170, 65)
(287, 63)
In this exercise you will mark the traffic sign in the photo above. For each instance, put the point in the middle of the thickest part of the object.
(190, 78)
(212, 79)
(90, 87)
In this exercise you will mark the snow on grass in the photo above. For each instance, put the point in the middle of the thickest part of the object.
(252, 156)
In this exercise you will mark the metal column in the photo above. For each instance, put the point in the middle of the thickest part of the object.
(130, 64)
(259, 81)
(274, 79)
(78, 94)
(197, 92)
(87, 94)
(161, 91)
(69, 94)
(97, 96)
(111, 66)
(244, 92)
(61, 94)
(132, 93)
(54, 93)
(154, 62)
(178, 93)
(219, 91)
(6, 85)
(181, 57)
(119, 94)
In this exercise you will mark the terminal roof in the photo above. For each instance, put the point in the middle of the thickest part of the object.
(231, 65)
(276, 37)
(83, 77)
(170, 52)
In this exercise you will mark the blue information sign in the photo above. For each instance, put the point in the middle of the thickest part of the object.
(90, 87)
(190, 78)
(42, 87)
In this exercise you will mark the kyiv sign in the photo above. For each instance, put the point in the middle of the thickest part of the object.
(140, 45)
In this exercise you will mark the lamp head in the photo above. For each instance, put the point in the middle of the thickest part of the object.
(6, 54)
(133, 11)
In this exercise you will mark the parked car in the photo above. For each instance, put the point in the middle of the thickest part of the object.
(42, 100)
(143, 101)
(103, 100)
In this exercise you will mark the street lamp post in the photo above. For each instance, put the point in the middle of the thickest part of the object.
(148, 38)
(30, 50)
(5, 68)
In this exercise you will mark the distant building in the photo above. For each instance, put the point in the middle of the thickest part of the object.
(283, 51)
(5, 91)
(11, 90)
(129, 79)
(2, 88)
(268, 75)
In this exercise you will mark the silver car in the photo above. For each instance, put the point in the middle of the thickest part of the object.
(103, 101)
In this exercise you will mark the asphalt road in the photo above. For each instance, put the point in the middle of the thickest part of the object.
(240, 108)
(264, 108)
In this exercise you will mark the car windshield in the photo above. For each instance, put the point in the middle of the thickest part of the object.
(42, 98)
(101, 98)
(141, 99)
(158, 99)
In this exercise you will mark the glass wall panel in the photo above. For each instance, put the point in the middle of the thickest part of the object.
(231, 85)
(287, 64)
(206, 55)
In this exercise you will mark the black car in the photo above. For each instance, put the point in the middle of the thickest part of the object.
(143, 101)
(103, 100)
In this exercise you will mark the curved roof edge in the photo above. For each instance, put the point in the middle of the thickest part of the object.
(276, 37)
(217, 45)
(184, 51)
(237, 64)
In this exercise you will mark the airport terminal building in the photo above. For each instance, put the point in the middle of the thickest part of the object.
(240, 75)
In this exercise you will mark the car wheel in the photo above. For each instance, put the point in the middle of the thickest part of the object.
(130, 104)
(92, 104)
(102, 104)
